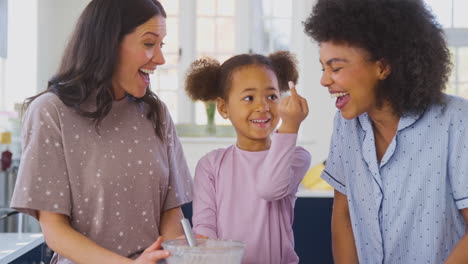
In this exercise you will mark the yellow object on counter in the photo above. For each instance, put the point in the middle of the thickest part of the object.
(5, 138)
(313, 181)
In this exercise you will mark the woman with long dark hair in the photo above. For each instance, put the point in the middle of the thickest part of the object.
(102, 168)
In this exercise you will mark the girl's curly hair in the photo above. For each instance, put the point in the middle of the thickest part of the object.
(403, 33)
(207, 79)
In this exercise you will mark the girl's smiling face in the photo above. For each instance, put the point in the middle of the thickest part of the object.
(252, 105)
(140, 53)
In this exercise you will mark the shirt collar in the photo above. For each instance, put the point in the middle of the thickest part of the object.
(404, 122)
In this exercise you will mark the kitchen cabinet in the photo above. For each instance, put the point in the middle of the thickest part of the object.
(312, 229)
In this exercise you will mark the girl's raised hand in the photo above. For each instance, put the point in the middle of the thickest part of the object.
(292, 110)
(153, 253)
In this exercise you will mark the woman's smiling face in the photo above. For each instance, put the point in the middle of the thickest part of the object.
(140, 53)
(351, 77)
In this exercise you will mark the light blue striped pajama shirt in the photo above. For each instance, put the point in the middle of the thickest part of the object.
(405, 209)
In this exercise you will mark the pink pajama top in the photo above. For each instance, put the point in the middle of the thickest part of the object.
(249, 197)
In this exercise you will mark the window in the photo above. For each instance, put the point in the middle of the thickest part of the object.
(217, 28)
(215, 22)
(458, 82)
(165, 81)
(275, 22)
(215, 37)
(451, 16)
(228, 27)
(451, 13)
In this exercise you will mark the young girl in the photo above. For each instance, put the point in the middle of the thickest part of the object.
(246, 192)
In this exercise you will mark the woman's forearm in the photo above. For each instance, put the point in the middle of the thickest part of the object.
(460, 252)
(343, 245)
(69, 243)
(170, 223)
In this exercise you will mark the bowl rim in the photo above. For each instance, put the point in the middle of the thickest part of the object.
(238, 245)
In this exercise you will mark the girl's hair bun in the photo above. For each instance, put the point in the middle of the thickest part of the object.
(201, 82)
(285, 67)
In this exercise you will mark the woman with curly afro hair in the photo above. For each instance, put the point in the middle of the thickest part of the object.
(399, 149)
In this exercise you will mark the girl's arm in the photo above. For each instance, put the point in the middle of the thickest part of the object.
(460, 252)
(204, 198)
(283, 168)
(170, 227)
(344, 248)
(285, 164)
(67, 242)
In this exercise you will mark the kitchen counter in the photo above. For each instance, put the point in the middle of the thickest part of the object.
(303, 192)
(15, 245)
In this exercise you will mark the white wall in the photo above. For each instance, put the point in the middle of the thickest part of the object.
(20, 66)
(37, 33)
(56, 20)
